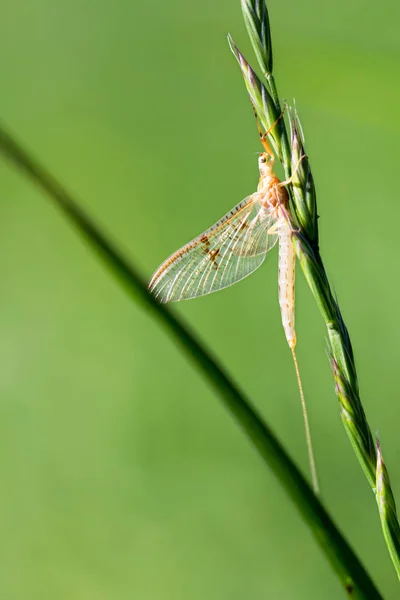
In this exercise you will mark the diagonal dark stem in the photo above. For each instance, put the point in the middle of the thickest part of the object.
(352, 575)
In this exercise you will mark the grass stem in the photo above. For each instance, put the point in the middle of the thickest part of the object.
(354, 579)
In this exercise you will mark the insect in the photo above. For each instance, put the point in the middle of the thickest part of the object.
(235, 247)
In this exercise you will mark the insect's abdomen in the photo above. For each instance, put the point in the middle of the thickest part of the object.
(286, 276)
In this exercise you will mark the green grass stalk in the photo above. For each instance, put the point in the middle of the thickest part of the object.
(305, 239)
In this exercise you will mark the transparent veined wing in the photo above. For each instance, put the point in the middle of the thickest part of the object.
(226, 253)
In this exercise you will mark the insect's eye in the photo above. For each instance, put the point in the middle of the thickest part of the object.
(263, 159)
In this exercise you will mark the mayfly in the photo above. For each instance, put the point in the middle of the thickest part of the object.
(235, 247)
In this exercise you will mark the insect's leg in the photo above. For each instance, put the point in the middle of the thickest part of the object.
(290, 180)
(264, 136)
(285, 217)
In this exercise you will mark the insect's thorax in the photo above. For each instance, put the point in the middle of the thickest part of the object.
(272, 194)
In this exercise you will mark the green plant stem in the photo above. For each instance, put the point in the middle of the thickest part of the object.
(305, 240)
(354, 579)
(344, 370)
(387, 505)
(286, 154)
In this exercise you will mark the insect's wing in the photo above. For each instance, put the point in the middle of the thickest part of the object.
(226, 253)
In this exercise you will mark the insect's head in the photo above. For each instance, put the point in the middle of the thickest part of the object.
(265, 163)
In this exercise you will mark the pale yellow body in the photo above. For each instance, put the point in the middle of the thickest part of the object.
(273, 195)
(286, 279)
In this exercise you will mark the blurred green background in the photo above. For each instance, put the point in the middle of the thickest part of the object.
(122, 476)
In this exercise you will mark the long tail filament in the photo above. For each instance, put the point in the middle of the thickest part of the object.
(306, 426)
